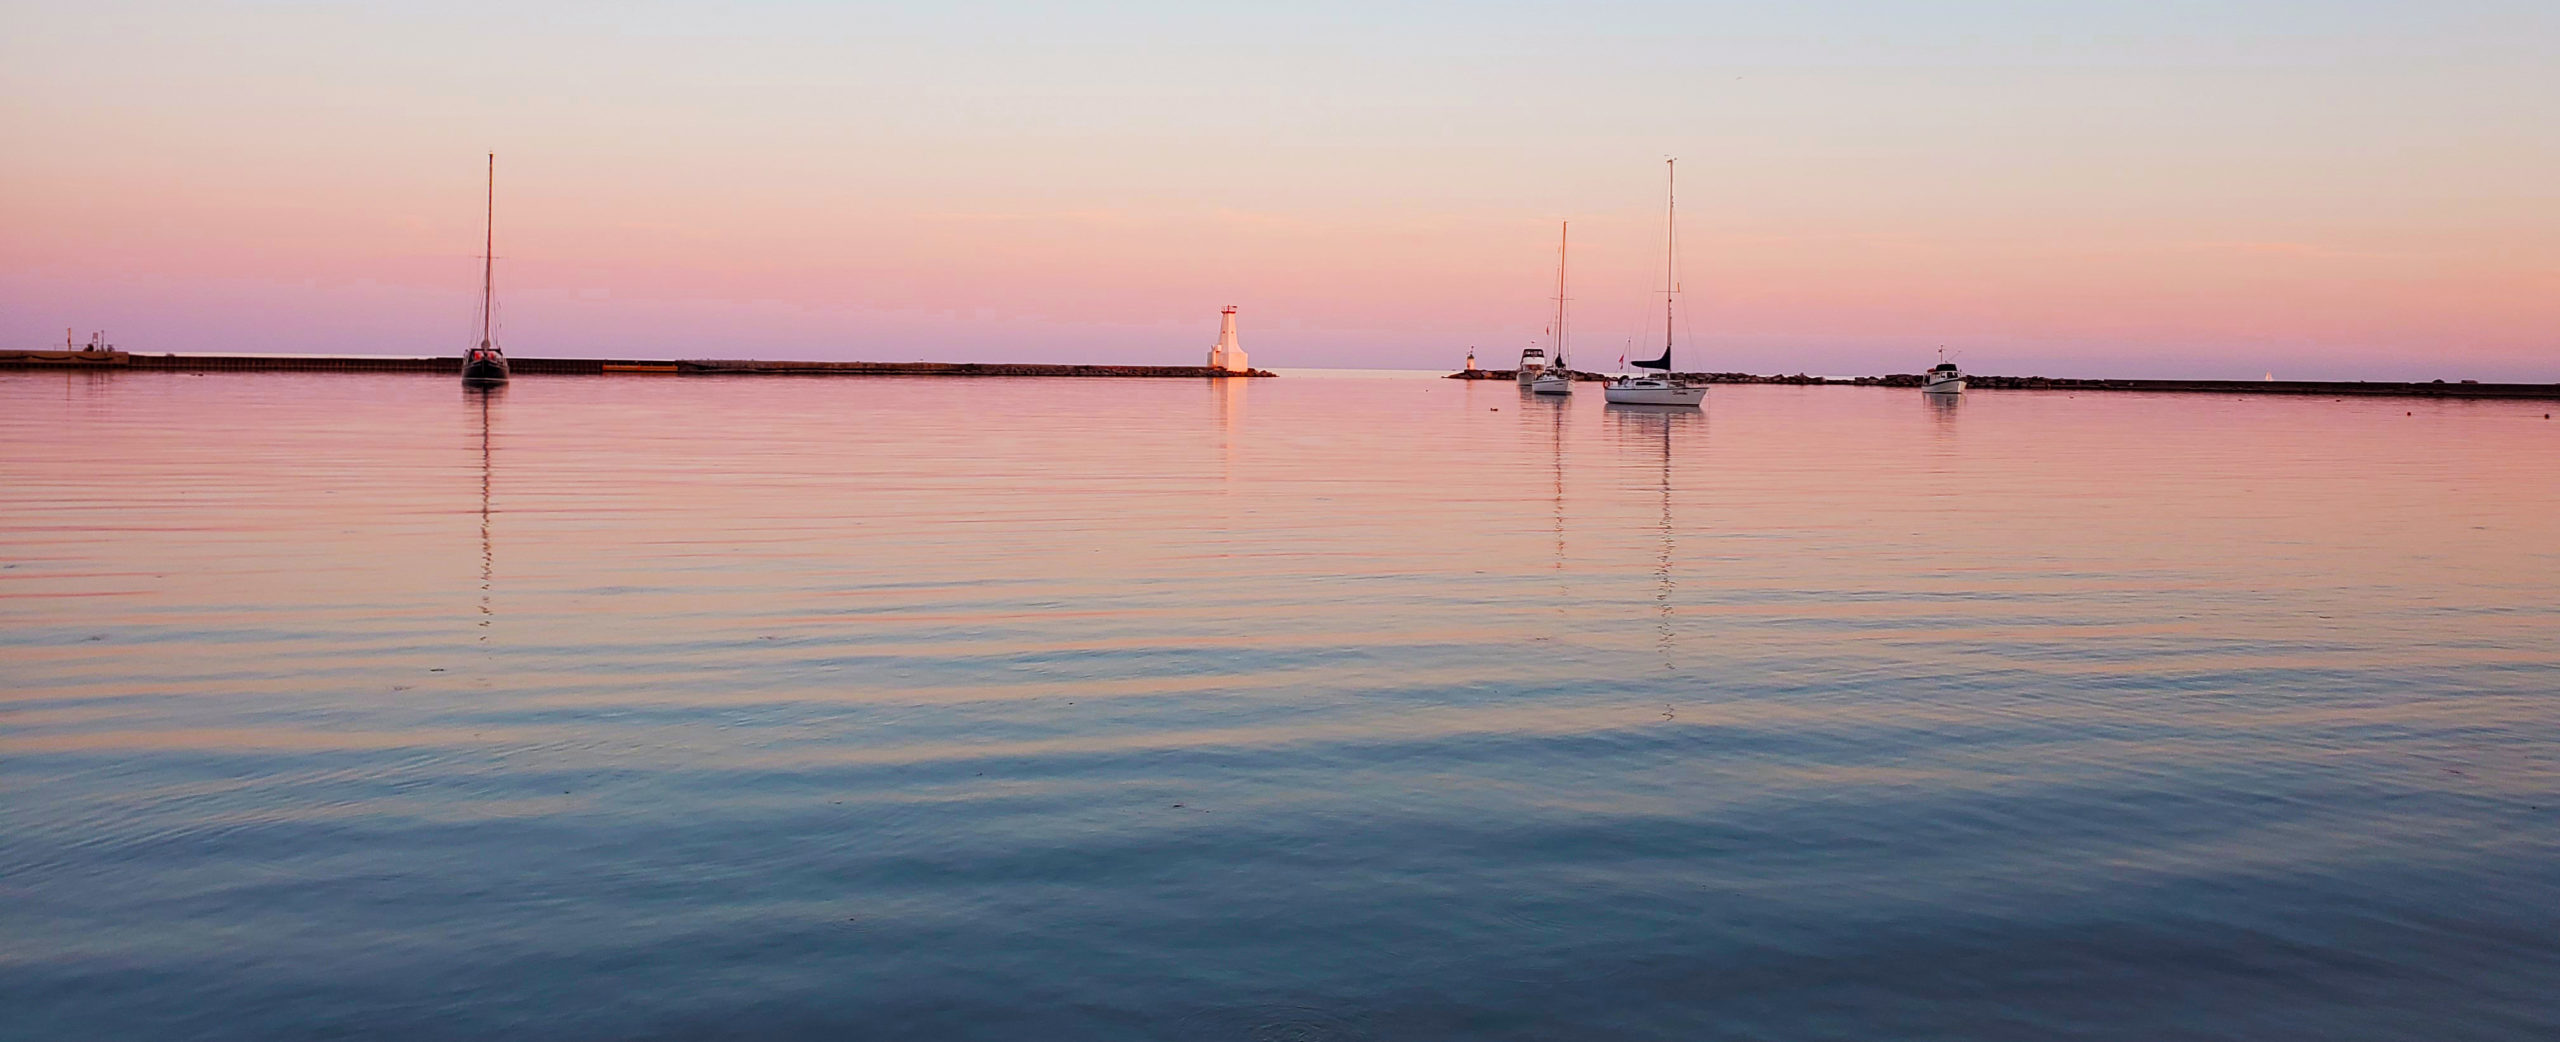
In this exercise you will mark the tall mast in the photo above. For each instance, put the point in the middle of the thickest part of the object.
(489, 252)
(1563, 230)
(1670, 217)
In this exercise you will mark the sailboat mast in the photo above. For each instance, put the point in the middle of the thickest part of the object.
(1670, 221)
(489, 252)
(1563, 235)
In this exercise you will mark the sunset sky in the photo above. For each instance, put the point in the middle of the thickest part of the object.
(2337, 189)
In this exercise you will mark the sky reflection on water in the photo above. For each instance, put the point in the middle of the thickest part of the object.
(1310, 707)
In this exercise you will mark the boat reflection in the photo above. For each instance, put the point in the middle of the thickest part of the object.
(485, 398)
(1656, 426)
(1558, 410)
(1943, 409)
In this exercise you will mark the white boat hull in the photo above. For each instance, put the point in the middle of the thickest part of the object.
(1527, 377)
(1552, 385)
(1654, 393)
(1955, 386)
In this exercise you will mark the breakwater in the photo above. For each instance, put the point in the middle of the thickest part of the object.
(584, 366)
(2333, 388)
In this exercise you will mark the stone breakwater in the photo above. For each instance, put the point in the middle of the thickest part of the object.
(1512, 375)
(1704, 378)
(585, 366)
(2334, 388)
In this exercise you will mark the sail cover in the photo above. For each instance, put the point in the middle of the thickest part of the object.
(1663, 363)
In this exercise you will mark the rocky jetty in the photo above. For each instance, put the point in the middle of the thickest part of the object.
(1512, 375)
(2334, 388)
(1695, 378)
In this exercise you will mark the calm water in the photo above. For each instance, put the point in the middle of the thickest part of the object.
(1320, 707)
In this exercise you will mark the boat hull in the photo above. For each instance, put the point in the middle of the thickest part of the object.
(1654, 394)
(1955, 386)
(1552, 385)
(483, 372)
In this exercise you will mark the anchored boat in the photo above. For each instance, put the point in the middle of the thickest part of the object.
(1532, 361)
(1557, 377)
(485, 365)
(1942, 378)
(1660, 390)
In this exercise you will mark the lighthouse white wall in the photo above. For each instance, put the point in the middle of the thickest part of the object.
(1229, 354)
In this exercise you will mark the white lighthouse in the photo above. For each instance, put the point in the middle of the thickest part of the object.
(1228, 355)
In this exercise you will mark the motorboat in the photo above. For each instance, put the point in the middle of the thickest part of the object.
(1532, 362)
(1942, 378)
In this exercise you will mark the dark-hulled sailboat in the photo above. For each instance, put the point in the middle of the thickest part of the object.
(485, 365)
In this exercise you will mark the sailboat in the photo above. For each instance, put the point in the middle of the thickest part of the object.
(1557, 377)
(1660, 390)
(485, 365)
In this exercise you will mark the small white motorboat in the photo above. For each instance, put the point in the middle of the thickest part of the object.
(1942, 378)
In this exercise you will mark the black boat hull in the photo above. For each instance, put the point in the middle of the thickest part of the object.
(484, 372)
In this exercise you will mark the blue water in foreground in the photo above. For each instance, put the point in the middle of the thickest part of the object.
(1316, 708)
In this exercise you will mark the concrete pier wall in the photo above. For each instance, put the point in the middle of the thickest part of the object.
(588, 366)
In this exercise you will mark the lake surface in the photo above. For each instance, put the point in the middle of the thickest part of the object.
(1321, 707)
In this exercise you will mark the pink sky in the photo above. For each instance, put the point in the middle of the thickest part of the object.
(2314, 191)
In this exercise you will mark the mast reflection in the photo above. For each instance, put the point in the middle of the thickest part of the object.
(485, 398)
(1557, 407)
(1656, 425)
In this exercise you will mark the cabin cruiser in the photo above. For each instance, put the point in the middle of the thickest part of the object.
(1942, 378)
(1532, 362)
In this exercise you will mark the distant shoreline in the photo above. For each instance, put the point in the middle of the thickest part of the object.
(120, 360)
(2387, 388)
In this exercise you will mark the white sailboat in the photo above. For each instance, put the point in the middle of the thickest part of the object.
(1942, 378)
(1557, 377)
(1660, 390)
